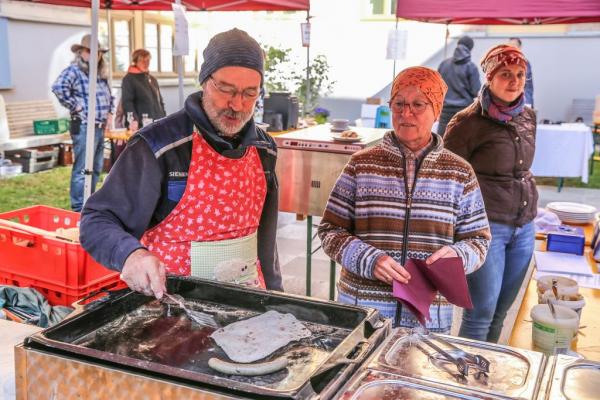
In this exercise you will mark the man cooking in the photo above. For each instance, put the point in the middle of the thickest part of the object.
(195, 186)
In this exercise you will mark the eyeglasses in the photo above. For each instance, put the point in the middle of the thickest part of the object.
(416, 107)
(230, 91)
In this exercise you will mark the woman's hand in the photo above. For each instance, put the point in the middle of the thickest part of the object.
(444, 252)
(387, 269)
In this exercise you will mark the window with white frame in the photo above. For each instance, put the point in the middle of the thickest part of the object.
(158, 40)
(120, 49)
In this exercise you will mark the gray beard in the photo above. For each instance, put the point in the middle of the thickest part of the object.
(85, 66)
(213, 116)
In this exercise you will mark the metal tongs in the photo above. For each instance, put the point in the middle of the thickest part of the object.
(462, 359)
(199, 317)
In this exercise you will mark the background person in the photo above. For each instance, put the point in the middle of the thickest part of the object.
(516, 42)
(496, 134)
(405, 197)
(71, 89)
(140, 93)
(462, 77)
(202, 176)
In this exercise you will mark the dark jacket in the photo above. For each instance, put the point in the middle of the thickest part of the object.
(140, 95)
(501, 155)
(149, 179)
(462, 77)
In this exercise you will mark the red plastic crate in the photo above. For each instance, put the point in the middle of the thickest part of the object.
(61, 270)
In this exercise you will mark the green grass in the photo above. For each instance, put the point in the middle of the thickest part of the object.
(50, 188)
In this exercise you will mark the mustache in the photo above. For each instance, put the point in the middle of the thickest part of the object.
(228, 112)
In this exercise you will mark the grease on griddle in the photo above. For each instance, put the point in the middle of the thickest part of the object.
(158, 333)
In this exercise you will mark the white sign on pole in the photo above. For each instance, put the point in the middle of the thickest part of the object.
(396, 45)
(181, 45)
(305, 27)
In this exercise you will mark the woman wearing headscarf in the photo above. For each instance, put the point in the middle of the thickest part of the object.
(406, 197)
(496, 134)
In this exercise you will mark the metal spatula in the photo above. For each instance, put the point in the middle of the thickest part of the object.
(199, 317)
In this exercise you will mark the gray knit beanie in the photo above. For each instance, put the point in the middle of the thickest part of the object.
(232, 48)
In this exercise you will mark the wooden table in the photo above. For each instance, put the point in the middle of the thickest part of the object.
(588, 345)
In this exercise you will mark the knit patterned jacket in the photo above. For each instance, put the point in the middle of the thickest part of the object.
(366, 214)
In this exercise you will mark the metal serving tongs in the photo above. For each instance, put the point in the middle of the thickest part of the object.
(476, 360)
(460, 378)
(459, 362)
(199, 317)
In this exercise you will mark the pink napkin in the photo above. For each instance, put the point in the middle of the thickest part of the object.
(446, 275)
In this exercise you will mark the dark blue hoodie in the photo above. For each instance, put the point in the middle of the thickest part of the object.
(149, 179)
(462, 77)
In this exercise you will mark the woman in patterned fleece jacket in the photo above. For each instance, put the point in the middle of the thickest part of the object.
(407, 197)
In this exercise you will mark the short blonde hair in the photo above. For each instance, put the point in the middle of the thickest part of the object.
(139, 54)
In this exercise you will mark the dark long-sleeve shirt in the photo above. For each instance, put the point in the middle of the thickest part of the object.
(149, 179)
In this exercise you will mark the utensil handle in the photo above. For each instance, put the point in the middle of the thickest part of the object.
(32, 229)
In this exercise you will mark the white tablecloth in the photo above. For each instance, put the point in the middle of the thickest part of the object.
(563, 151)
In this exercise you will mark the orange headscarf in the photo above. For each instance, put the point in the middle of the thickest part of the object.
(499, 56)
(427, 80)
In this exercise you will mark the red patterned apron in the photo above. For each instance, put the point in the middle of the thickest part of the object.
(223, 199)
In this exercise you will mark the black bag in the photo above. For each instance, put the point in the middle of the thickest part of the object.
(75, 125)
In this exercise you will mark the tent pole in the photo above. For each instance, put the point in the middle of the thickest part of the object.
(394, 71)
(91, 115)
(307, 99)
(179, 61)
(446, 40)
(110, 46)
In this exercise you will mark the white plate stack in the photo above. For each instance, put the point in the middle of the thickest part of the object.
(573, 213)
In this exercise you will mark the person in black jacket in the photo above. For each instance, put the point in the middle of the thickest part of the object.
(194, 186)
(140, 92)
(462, 77)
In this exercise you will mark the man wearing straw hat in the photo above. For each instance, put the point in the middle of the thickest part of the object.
(72, 89)
(195, 193)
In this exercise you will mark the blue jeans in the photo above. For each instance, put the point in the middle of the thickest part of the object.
(77, 174)
(495, 285)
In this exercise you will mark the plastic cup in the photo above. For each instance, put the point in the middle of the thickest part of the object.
(565, 286)
(550, 334)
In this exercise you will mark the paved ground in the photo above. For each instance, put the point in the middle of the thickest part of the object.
(291, 241)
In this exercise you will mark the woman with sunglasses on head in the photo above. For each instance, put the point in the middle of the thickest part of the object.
(406, 197)
(496, 134)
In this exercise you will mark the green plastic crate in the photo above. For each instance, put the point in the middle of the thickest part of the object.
(50, 126)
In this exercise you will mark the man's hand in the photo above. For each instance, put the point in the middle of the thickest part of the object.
(143, 272)
(387, 269)
(444, 252)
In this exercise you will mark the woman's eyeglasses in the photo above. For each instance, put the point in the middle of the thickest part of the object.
(231, 92)
(416, 107)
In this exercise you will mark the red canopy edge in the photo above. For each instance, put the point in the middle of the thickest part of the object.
(191, 5)
(500, 12)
